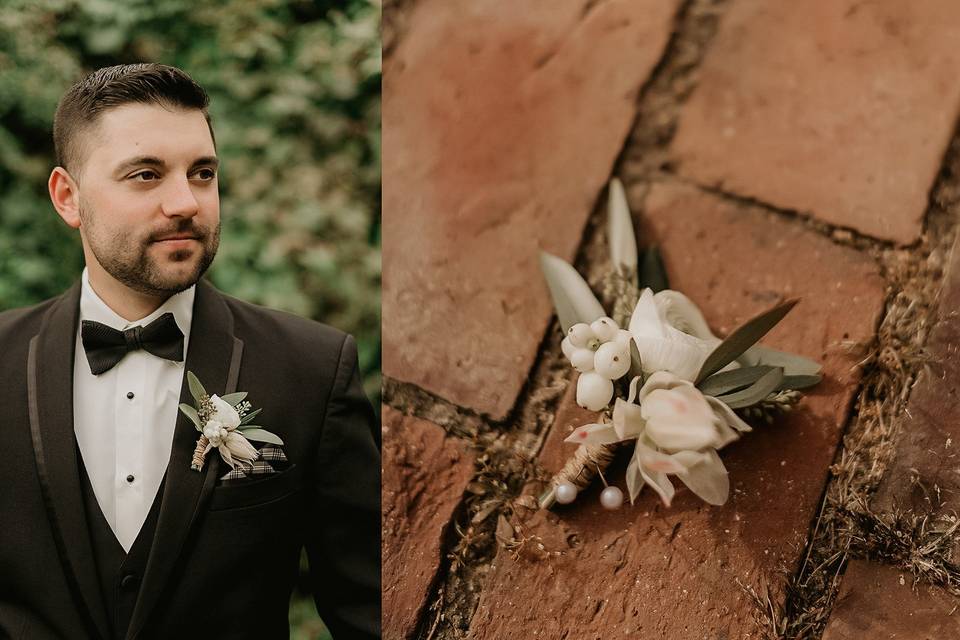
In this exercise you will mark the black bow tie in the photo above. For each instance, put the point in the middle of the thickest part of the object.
(106, 346)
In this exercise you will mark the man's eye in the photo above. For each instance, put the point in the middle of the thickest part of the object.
(206, 174)
(144, 176)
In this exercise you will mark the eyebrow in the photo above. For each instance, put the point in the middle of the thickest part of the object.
(153, 161)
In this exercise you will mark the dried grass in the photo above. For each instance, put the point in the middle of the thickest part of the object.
(847, 527)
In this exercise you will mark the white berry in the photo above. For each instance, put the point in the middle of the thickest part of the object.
(580, 334)
(582, 360)
(565, 492)
(605, 329)
(623, 336)
(612, 360)
(594, 391)
(611, 498)
(567, 347)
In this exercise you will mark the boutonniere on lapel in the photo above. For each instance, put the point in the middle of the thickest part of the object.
(225, 424)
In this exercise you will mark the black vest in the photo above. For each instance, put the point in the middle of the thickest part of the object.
(119, 572)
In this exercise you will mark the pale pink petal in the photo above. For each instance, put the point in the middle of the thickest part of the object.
(240, 448)
(708, 479)
(655, 461)
(635, 481)
(679, 419)
(727, 414)
(593, 434)
(628, 419)
(660, 483)
(660, 380)
(225, 454)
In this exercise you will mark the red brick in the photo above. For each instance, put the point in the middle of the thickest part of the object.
(424, 477)
(923, 477)
(672, 573)
(841, 109)
(501, 123)
(879, 602)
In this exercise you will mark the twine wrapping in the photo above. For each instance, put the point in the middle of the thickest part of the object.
(581, 469)
(198, 454)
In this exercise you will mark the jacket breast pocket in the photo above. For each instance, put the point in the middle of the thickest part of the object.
(256, 492)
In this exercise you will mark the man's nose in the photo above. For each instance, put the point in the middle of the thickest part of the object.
(179, 200)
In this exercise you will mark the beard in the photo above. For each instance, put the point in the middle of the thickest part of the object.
(126, 255)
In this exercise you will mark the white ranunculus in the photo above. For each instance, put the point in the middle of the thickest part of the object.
(662, 346)
(224, 413)
(682, 430)
(679, 417)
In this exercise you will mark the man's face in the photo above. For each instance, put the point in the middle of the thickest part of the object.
(149, 203)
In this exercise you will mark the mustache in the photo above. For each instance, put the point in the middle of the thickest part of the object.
(187, 227)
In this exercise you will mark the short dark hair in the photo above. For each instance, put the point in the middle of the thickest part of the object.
(111, 87)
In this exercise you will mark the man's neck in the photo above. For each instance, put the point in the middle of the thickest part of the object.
(127, 303)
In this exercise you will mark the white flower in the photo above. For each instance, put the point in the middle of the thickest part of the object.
(678, 431)
(683, 430)
(215, 432)
(221, 431)
(662, 346)
(224, 413)
(679, 417)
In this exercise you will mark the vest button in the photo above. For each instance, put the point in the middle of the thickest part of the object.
(130, 582)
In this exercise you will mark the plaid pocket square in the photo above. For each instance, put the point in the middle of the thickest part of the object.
(271, 460)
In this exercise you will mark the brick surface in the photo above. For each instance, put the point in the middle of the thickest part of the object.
(842, 109)
(923, 476)
(424, 477)
(879, 602)
(674, 573)
(501, 124)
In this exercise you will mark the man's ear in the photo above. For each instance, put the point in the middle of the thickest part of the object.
(65, 196)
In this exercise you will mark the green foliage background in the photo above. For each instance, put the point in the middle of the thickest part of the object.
(295, 103)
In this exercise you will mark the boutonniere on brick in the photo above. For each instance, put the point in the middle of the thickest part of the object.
(225, 424)
(658, 377)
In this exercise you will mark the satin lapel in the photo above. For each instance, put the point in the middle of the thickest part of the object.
(50, 398)
(214, 357)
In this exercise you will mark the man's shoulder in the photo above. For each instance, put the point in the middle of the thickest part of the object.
(282, 327)
(25, 320)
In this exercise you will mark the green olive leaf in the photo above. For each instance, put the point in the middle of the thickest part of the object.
(742, 338)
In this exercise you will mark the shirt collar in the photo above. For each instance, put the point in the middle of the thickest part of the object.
(92, 307)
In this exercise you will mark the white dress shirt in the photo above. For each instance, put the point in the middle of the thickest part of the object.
(124, 418)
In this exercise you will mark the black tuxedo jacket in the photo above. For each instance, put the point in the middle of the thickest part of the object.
(224, 557)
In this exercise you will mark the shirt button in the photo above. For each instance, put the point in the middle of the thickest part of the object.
(130, 395)
(130, 478)
(129, 581)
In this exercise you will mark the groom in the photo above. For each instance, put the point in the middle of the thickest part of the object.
(105, 530)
